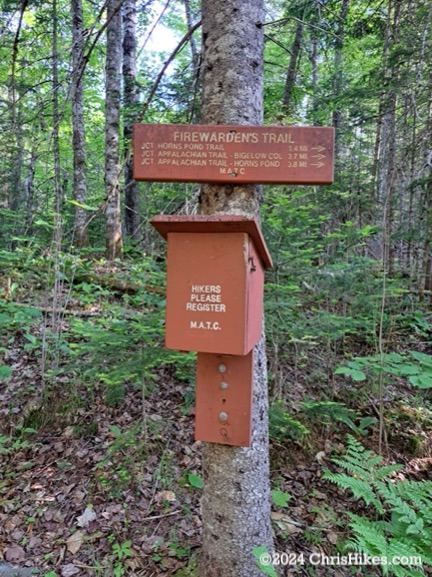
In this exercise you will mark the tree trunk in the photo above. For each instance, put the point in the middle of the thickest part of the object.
(427, 247)
(190, 25)
(387, 139)
(236, 501)
(132, 204)
(55, 129)
(15, 185)
(292, 69)
(114, 242)
(29, 190)
(337, 76)
(195, 62)
(78, 128)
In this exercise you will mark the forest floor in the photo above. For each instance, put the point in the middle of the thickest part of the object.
(92, 486)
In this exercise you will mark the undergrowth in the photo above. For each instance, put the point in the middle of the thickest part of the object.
(402, 523)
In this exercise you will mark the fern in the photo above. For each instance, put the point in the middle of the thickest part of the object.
(359, 487)
(405, 508)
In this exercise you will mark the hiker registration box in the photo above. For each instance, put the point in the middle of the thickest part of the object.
(215, 280)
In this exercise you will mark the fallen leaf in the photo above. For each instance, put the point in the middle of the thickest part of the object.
(320, 457)
(69, 570)
(332, 537)
(74, 542)
(14, 554)
(285, 523)
(84, 519)
(166, 496)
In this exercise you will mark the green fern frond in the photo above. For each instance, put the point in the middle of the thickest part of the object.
(369, 533)
(405, 529)
(361, 489)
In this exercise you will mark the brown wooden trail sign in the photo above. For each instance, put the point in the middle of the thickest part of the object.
(233, 154)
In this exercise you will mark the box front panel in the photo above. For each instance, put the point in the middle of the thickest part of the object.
(206, 292)
(223, 407)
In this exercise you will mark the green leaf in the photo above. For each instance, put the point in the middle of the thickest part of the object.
(195, 481)
(279, 498)
(355, 374)
(43, 224)
(115, 430)
(5, 372)
(422, 357)
(83, 206)
(260, 553)
(423, 381)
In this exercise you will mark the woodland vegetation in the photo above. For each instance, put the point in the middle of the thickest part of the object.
(100, 474)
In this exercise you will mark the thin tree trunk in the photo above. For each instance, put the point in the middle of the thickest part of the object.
(29, 190)
(195, 61)
(114, 241)
(55, 129)
(236, 502)
(15, 185)
(337, 76)
(427, 247)
(78, 127)
(190, 25)
(292, 69)
(132, 204)
(387, 152)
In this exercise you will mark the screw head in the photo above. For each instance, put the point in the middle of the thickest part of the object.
(222, 368)
(223, 386)
(223, 416)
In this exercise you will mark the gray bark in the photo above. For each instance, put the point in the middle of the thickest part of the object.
(132, 207)
(190, 25)
(55, 129)
(195, 61)
(387, 138)
(292, 68)
(29, 190)
(337, 75)
(236, 496)
(78, 127)
(114, 242)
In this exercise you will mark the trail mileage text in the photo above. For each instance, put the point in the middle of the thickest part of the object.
(234, 154)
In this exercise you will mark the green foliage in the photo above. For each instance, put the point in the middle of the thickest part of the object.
(280, 498)
(283, 426)
(327, 412)
(260, 553)
(404, 523)
(414, 365)
(195, 480)
(124, 460)
(10, 445)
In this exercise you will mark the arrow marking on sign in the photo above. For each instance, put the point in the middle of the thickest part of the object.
(318, 156)
(318, 164)
(318, 148)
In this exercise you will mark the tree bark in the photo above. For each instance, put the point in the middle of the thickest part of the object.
(132, 204)
(78, 127)
(387, 138)
(337, 76)
(195, 62)
(236, 501)
(55, 129)
(114, 241)
(292, 69)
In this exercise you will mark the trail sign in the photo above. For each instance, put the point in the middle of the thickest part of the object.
(216, 263)
(233, 154)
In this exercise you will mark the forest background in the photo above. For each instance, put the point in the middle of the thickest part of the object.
(90, 401)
